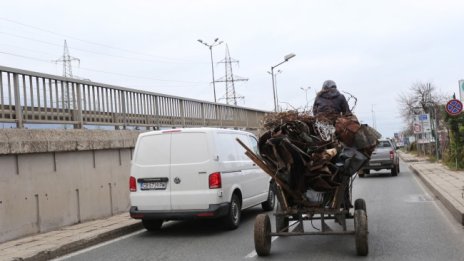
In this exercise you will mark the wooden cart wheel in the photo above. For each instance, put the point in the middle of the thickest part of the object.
(360, 204)
(281, 220)
(360, 226)
(262, 235)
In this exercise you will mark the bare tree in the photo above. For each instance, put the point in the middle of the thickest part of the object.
(421, 98)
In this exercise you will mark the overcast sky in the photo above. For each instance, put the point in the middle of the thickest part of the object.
(374, 50)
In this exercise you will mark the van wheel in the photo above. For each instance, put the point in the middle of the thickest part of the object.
(394, 171)
(152, 224)
(269, 204)
(232, 219)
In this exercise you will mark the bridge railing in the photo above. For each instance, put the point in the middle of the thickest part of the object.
(28, 97)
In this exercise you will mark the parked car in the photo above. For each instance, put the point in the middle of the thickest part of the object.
(384, 156)
(196, 173)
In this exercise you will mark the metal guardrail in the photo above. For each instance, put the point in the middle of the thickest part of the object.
(28, 97)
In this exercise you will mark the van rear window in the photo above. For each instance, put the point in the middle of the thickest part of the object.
(153, 150)
(173, 148)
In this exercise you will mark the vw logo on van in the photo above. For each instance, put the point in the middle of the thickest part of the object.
(177, 180)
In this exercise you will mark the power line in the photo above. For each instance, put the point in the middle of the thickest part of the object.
(101, 71)
(88, 51)
(135, 76)
(27, 49)
(99, 44)
(26, 57)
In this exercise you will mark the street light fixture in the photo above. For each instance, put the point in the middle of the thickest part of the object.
(210, 46)
(286, 58)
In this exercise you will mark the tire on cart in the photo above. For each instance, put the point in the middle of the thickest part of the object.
(360, 204)
(361, 232)
(262, 235)
(281, 221)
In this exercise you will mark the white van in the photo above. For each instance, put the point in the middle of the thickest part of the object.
(196, 173)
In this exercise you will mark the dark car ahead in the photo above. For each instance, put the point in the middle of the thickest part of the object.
(383, 157)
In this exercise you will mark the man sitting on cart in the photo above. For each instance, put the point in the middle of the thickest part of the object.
(330, 101)
(332, 104)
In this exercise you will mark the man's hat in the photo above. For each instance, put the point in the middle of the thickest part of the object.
(329, 84)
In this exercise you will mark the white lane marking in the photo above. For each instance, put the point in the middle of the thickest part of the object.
(98, 245)
(253, 253)
(441, 209)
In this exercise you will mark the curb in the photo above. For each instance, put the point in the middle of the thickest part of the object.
(82, 243)
(457, 214)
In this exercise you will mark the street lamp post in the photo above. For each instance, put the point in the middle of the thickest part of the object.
(276, 97)
(286, 58)
(210, 46)
(306, 94)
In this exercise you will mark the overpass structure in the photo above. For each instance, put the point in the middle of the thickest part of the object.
(50, 178)
(37, 98)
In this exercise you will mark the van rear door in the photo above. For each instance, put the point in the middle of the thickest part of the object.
(151, 168)
(192, 161)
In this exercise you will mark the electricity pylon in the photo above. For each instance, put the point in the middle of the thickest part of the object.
(230, 79)
(67, 60)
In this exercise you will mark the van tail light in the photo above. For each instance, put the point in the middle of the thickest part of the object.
(215, 180)
(132, 184)
(392, 154)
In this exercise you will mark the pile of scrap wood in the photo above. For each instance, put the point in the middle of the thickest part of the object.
(314, 153)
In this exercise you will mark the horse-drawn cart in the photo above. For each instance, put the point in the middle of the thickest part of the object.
(289, 222)
(310, 184)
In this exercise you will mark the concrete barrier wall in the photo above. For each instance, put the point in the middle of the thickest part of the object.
(50, 179)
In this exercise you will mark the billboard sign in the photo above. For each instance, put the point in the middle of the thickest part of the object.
(424, 121)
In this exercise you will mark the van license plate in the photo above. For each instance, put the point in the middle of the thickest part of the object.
(153, 185)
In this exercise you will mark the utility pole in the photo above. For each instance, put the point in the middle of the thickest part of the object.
(373, 117)
(306, 94)
(230, 79)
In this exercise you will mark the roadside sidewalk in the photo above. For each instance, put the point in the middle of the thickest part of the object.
(46, 246)
(447, 185)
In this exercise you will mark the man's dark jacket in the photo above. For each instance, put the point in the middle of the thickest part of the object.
(330, 100)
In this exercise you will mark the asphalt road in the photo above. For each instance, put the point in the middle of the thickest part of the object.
(405, 223)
